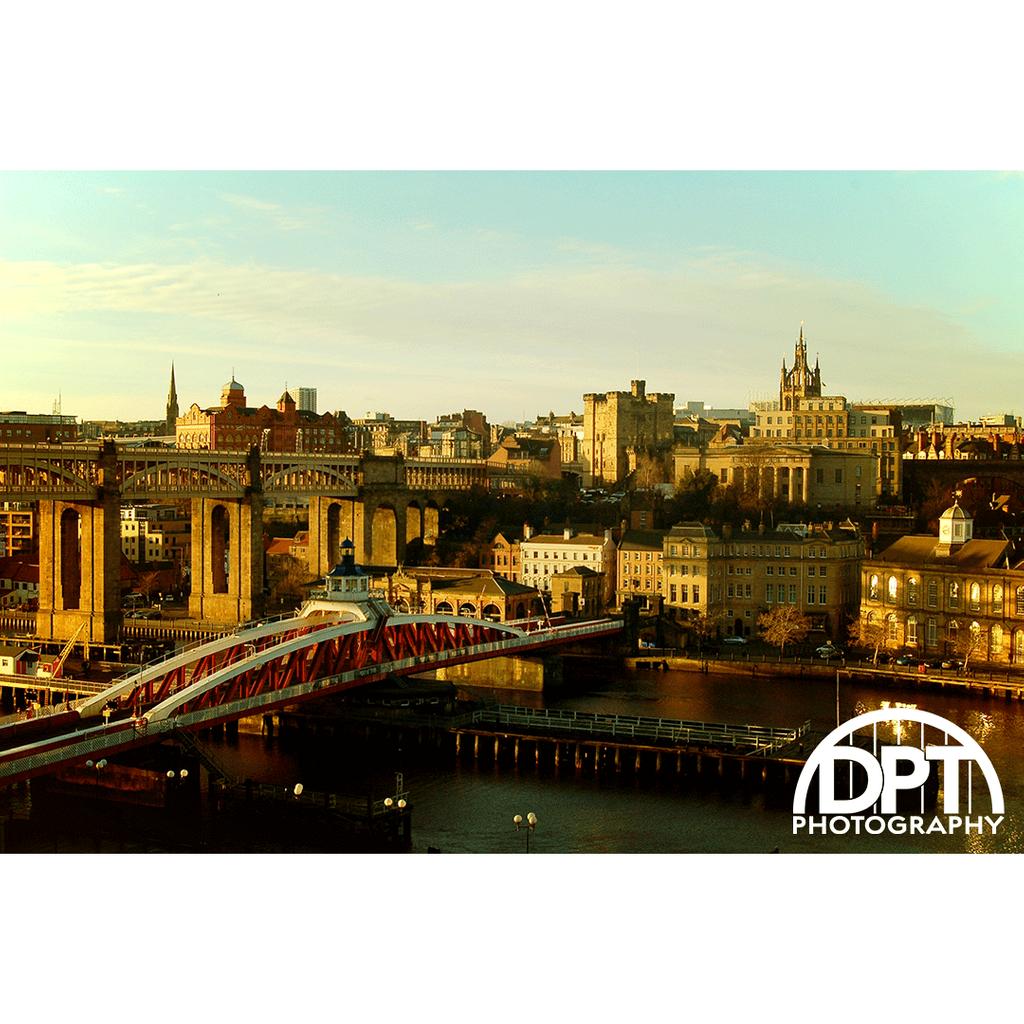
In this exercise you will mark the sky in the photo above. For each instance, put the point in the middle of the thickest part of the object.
(423, 293)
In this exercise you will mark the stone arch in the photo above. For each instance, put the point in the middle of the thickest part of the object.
(384, 536)
(430, 522)
(413, 522)
(333, 531)
(220, 549)
(491, 611)
(70, 559)
(443, 608)
(468, 609)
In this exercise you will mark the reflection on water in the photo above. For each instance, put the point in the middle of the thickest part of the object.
(461, 808)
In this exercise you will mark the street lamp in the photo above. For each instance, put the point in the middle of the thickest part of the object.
(530, 824)
(97, 767)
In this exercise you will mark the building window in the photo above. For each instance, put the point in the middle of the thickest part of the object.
(810, 593)
(823, 594)
(933, 593)
(912, 588)
(932, 633)
(995, 646)
(792, 593)
(696, 594)
(769, 593)
(1019, 601)
(873, 588)
(893, 588)
(954, 594)
(684, 594)
(912, 631)
(997, 599)
(974, 597)
(891, 628)
(672, 593)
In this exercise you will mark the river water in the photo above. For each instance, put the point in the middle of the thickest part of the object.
(463, 808)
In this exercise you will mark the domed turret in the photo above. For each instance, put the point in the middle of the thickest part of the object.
(232, 394)
(956, 528)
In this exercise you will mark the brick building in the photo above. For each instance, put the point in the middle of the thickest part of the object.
(235, 426)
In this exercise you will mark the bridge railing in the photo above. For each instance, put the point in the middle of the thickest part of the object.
(762, 739)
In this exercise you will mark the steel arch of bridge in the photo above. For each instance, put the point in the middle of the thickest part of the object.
(305, 660)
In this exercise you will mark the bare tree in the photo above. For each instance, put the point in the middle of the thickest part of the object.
(868, 632)
(783, 624)
(287, 578)
(968, 643)
(148, 582)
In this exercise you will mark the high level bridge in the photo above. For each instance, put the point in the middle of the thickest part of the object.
(262, 667)
(380, 502)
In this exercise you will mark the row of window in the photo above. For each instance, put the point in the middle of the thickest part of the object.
(955, 593)
(682, 595)
(996, 635)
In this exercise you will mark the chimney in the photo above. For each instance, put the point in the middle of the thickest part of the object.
(527, 531)
(567, 533)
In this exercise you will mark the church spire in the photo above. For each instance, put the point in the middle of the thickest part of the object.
(172, 405)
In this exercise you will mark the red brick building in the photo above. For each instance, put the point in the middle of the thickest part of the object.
(235, 426)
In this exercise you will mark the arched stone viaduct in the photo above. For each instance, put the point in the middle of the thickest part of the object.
(380, 503)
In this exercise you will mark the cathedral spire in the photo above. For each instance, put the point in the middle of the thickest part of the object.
(172, 405)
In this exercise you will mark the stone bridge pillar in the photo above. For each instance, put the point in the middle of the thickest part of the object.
(80, 562)
(227, 559)
(332, 520)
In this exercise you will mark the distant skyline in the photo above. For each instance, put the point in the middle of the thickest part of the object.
(514, 293)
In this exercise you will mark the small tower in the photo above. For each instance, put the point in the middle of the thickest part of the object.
(956, 528)
(172, 405)
(232, 394)
(346, 581)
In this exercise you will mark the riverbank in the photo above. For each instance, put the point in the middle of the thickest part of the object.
(1005, 685)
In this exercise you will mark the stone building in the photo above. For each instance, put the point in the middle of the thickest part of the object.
(805, 416)
(731, 579)
(797, 474)
(618, 421)
(577, 591)
(547, 554)
(502, 557)
(926, 592)
(474, 593)
(639, 571)
(235, 426)
(517, 458)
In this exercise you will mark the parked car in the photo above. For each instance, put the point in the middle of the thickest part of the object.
(906, 659)
(734, 640)
(827, 651)
(954, 663)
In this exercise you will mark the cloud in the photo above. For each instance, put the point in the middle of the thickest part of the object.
(279, 216)
(715, 327)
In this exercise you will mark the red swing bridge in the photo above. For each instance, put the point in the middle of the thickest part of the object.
(331, 645)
